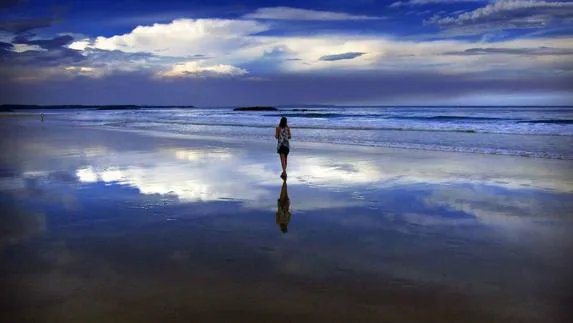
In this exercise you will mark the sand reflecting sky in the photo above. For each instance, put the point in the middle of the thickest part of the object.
(110, 204)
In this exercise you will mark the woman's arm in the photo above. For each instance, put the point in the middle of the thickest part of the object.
(277, 132)
(288, 132)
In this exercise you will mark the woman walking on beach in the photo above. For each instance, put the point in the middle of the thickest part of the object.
(282, 133)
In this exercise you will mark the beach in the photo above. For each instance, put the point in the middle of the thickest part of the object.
(127, 224)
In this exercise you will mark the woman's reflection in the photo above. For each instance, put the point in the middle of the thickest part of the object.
(283, 208)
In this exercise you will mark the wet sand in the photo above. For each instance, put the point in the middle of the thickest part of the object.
(101, 225)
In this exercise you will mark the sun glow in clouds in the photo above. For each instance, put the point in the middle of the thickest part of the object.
(194, 69)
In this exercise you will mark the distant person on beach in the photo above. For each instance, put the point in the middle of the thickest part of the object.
(42, 116)
(282, 133)
(283, 209)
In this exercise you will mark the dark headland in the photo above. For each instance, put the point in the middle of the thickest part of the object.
(256, 108)
(118, 107)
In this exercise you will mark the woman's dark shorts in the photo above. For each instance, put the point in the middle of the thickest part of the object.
(283, 150)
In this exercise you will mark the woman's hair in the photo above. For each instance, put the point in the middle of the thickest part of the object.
(283, 122)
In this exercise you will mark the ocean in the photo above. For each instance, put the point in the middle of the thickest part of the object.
(542, 132)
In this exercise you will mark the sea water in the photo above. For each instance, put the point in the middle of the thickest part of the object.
(543, 132)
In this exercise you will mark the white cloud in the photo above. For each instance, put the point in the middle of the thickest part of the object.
(182, 37)
(80, 44)
(20, 48)
(83, 70)
(87, 175)
(194, 68)
(288, 13)
(392, 55)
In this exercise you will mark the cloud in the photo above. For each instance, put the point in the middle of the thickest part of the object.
(188, 49)
(81, 70)
(183, 37)
(194, 69)
(40, 52)
(514, 51)
(99, 63)
(41, 58)
(416, 56)
(25, 25)
(96, 63)
(274, 54)
(37, 65)
(290, 88)
(5, 46)
(54, 43)
(81, 44)
(52, 58)
(509, 15)
(288, 13)
(412, 3)
(240, 44)
(337, 57)
(230, 41)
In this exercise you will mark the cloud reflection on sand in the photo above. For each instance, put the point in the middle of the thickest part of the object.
(189, 185)
(542, 219)
(207, 174)
(411, 191)
(320, 170)
(194, 174)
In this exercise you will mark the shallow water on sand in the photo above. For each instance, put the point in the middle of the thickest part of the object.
(113, 226)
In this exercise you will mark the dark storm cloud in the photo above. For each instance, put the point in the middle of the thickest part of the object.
(51, 58)
(279, 89)
(54, 53)
(5, 46)
(9, 3)
(54, 43)
(338, 57)
(513, 51)
(25, 25)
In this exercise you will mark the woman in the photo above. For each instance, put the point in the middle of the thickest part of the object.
(282, 133)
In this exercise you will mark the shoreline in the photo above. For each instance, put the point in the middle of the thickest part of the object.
(318, 145)
(512, 170)
(518, 142)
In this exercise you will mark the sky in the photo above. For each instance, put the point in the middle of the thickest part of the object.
(230, 53)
